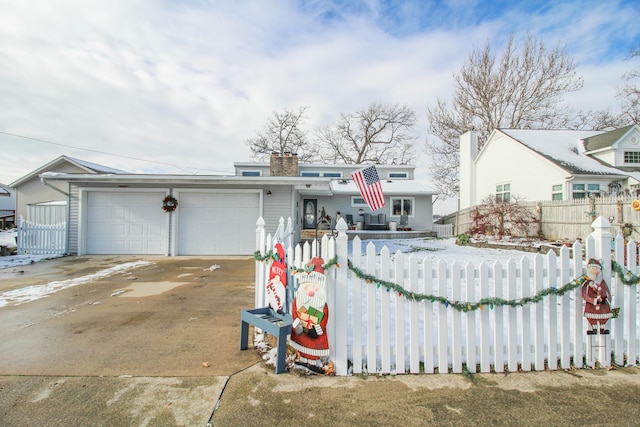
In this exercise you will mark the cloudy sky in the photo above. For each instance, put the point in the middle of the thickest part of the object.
(178, 86)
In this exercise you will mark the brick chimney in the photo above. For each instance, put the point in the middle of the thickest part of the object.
(285, 164)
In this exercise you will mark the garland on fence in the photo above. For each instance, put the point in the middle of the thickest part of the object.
(272, 255)
(623, 274)
(466, 306)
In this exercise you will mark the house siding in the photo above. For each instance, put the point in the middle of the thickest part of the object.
(34, 191)
(278, 205)
(507, 161)
(73, 220)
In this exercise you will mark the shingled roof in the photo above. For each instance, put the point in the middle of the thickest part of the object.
(605, 140)
(564, 148)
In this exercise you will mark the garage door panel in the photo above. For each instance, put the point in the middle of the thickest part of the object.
(217, 223)
(126, 223)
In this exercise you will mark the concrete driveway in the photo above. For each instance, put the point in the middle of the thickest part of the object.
(128, 349)
(132, 345)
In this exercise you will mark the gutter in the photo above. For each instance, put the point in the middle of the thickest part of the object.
(44, 181)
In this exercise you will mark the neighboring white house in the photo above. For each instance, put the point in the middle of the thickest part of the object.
(549, 164)
(39, 201)
(216, 215)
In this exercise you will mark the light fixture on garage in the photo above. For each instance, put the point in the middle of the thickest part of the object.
(269, 193)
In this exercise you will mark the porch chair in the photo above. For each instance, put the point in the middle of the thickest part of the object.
(404, 223)
(349, 219)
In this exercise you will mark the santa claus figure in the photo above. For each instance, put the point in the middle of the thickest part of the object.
(310, 315)
(596, 295)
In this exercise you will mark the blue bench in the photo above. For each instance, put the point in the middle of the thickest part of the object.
(278, 325)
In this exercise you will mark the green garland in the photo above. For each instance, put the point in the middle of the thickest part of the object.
(624, 275)
(272, 255)
(466, 306)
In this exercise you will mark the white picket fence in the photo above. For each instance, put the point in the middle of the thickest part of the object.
(41, 239)
(376, 330)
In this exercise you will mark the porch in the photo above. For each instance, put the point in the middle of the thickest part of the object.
(310, 235)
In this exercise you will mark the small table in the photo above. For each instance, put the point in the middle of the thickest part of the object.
(278, 325)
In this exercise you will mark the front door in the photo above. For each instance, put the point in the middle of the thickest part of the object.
(309, 213)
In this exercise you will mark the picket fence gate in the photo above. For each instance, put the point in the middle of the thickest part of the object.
(380, 322)
(41, 239)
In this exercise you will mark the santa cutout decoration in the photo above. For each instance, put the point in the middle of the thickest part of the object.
(597, 297)
(277, 284)
(310, 316)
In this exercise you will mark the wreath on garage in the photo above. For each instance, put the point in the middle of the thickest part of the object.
(169, 204)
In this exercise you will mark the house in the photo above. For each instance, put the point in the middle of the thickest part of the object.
(119, 213)
(7, 206)
(549, 164)
(46, 202)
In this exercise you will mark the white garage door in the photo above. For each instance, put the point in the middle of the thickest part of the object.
(126, 223)
(217, 223)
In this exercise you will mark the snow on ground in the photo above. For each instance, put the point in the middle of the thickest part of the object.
(31, 293)
(446, 250)
(8, 239)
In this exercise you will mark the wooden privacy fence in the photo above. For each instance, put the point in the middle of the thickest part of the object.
(443, 230)
(393, 313)
(41, 239)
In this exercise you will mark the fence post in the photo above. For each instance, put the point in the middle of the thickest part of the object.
(260, 271)
(602, 237)
(340, 310)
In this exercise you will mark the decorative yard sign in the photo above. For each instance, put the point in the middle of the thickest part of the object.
(310, 317)
(277, 284)
(596, 295)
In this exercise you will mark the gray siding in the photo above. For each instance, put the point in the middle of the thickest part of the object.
(73, 220)
(278, 205)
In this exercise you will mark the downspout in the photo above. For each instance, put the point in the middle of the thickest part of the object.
(44, 181)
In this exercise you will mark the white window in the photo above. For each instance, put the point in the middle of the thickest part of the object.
(402, 206)
(251, 173)
(503, 192)
(358, 202)
(632, 156)
(310, 174)
(579, 191)
(556, 192)
(398, 175)
(593, 189)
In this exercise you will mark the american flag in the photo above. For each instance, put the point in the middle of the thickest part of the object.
(369, 185)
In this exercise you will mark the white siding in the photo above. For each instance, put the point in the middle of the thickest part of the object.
(507, 161)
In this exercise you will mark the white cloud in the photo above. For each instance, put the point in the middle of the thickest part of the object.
(187, 83)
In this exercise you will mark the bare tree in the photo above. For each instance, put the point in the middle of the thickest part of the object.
(283, 132)
(379, 134)
(502, 218)
(523, 89)
(630, 94)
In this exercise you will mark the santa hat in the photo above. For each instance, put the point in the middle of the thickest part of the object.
(280, 251)
(315, 272)
(594, 263)
(317, 263)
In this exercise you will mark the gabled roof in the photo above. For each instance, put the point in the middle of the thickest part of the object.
(4, 191)
(564, 148)
(84, 165)
(606, 139)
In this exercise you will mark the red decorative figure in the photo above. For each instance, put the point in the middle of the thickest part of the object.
(276, 286)
(597, 297)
